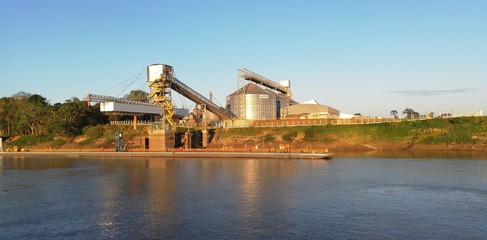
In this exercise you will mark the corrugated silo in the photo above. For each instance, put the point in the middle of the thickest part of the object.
(259, 103)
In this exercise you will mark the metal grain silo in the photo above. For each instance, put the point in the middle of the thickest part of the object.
(256, 103)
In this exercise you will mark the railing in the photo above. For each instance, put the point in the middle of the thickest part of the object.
(300, 122)
(461, 114)
(352, 121)
(131, 122)
(320, 122)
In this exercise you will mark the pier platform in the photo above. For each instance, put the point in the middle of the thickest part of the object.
(263, 155)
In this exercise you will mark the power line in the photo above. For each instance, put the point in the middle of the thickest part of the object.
(130, 84)
(122, 84)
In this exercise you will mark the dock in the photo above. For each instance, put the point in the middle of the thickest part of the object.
(260, 155)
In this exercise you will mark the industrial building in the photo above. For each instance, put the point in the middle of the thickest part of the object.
(309, 110)
(260, 98)
(263, 99)
(257, 98)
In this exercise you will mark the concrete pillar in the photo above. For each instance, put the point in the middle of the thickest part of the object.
(135, 122)
(161, 140)
(205, 138)
(187, 141)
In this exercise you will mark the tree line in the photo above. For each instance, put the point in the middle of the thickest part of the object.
(31, 114)
(411, 114)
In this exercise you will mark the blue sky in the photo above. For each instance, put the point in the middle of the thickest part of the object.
(366, 57)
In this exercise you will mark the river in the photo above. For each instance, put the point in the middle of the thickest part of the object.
(354, 196)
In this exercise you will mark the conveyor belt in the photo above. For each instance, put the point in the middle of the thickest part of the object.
(194, 96)
(254, 77)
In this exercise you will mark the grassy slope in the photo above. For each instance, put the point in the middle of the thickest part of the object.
(454, 133)
(94, 137)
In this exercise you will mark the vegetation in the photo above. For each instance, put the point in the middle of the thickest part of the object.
(410, 113)
(105, 134)
(30, 120)
(137, 95)
(30, 140)
(31, 115)
(466, 130)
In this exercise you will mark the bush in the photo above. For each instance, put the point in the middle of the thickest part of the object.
(269, 137)
(289, 137)
(310, 133)
(58, 143)
(94, 132)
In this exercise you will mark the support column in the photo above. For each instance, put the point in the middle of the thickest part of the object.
(187, 142)
(205, 138)
(161, 139)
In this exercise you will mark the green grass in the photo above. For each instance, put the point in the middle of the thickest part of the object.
(58, 143)
(433, 131)
(31, 140)
(105, 134)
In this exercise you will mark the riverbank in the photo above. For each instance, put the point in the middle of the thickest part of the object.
(439, 134)
(454, 134)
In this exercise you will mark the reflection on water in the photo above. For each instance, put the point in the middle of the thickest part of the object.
(26, 163)
(344, 198)
(480, 155)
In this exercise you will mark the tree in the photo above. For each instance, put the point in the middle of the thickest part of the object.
(73, 99)
(410, 113)
(445, 115)
(21, 95)
(394, 113)
(74, 115)
(37, 99)
(33, 115)
(7, 115)
(137, 95)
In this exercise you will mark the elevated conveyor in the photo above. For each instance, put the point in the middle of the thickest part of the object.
(194, 96)
(101, 98)
(121, 105)
(160, 78)
(254, 77)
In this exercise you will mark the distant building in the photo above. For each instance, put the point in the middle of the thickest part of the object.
(346, 116)
(309, 110)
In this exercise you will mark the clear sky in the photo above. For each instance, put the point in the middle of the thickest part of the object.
(358, 56)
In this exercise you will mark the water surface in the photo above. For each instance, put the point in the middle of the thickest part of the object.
(353, 197)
